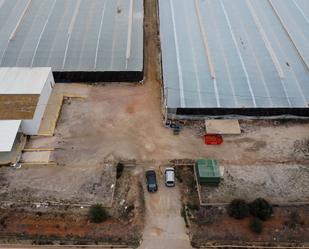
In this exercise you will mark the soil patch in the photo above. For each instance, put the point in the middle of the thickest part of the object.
(63, 184)
(213, 224)
(277, 183)
(71, 225)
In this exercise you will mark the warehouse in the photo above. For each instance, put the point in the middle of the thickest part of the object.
(24, 94)
(81, 40)
(231, 58)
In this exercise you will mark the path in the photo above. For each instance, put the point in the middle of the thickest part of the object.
(164, 228)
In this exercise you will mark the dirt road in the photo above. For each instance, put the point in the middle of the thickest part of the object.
(165, 228)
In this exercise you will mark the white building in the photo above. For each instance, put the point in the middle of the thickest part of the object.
(31, 85)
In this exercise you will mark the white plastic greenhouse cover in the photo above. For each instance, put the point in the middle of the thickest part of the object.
(235, 54)
(72, 35)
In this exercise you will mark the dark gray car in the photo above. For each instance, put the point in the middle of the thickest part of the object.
(151, 181)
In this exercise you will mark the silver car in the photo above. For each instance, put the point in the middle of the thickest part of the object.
(169, 177)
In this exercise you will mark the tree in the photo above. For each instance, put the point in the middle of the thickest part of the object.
(97, 213)
(261, 208)
(120, 168)
(238, 209)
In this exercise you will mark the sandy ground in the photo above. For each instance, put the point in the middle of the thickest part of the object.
(124, 122)
(278, 184)
(165, 227)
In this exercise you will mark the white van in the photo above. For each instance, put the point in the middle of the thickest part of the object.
(169, 177)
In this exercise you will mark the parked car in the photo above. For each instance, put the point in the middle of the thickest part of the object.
(151, 179)
(169, 177)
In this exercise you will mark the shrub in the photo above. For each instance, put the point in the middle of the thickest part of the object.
(261, 208)
(130, 208)
(256, 225)
(127, 211)
(120, 168)
(97, 213)
(238, 209)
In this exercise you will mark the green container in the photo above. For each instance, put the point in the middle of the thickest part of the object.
(208, 172)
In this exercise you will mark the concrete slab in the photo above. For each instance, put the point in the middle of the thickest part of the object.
(220, 126)
(7, 158)
(53, 109)
(36, 157)
(51, 114)
(41, 142)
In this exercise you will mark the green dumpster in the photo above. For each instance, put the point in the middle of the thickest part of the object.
(208, 172)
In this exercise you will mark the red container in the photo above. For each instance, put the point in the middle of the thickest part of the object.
(213, 139)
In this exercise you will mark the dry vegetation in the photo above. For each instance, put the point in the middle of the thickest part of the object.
(214, 225)
(71, 225)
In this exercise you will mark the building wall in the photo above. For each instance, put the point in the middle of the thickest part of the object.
(31, 127)
(17, 106)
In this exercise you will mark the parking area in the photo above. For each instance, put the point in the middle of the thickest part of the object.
(163, 219)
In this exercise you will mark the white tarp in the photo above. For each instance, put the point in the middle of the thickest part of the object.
(72, 35)
(235, 54)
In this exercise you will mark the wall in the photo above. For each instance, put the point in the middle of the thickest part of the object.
(31, 127)
(17, 106)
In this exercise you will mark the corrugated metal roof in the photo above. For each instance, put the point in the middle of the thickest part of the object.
(235, 54)
(72, 35)
(8, 132)
(17, 80)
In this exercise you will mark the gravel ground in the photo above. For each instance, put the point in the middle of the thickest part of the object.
(277, 183)
(59, 184)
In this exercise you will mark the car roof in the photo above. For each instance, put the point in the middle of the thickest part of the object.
(170, 175)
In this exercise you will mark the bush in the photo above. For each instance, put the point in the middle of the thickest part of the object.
(127, 211)
(256, 225)
(261, 208)
(97, 213)
(238, 209)
(120, 168)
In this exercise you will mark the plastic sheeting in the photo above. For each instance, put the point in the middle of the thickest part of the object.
(72, 35)
(235, 54)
